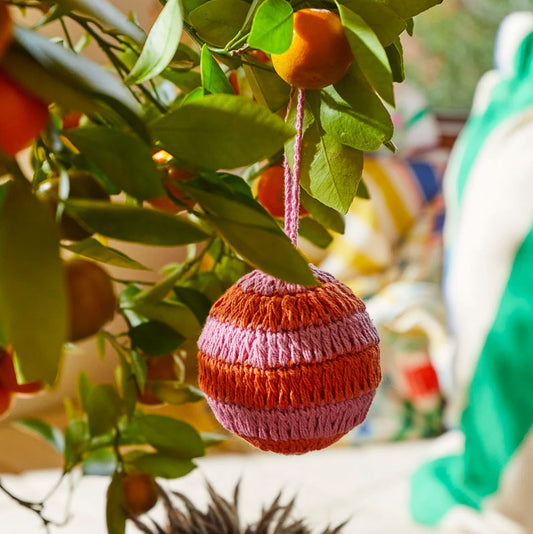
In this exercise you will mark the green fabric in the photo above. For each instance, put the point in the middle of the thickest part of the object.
(499, 412)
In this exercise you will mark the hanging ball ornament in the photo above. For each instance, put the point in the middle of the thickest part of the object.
(319, 54)
(289, 368)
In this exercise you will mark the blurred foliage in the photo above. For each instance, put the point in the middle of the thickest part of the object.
(455, 47)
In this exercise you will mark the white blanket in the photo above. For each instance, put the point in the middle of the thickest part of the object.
(370, 485)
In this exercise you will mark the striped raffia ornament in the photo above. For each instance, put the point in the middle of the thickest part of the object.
(289, 368)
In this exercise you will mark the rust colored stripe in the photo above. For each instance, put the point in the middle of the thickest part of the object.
(344, 377)
(319, 305)
(296, 446)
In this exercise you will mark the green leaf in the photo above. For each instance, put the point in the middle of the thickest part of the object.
(196, 301)
(213, 78)
(395, 55)
(171, 436)
(186, 81)
(163, 465)
(409, 8)
(50, 433)
(103, 409)
(314, 232)
(369, 53)
(383, 20)
(101, 462)
(251, 231)
(212, 439)
(116, 506)
(330, 171)
(33, 306)
(325, 215)
(222, 131)
(174, 392)
(185, 58)
(272, 27)
(139, 368)
(217, 21)
(105, 13)
(84, 390)
(362, 191)
(160, 46)
(410, 26)
(268, 88)
(128, 383)
(93, 249)
(131, 223)
(76, 435)
(353, 114)
(173, 314)
(122, 157)
(155, 338)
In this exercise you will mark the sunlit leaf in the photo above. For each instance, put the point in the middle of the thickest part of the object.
(213, 78)
(161, 44)
(221, 132)
(122, 157)
(272, 27)
(131, 223)
(93, 249)
(33, 310)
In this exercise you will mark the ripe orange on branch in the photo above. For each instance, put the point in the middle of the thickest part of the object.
(319, 54)
(271, 191)
(90, 297)
(8, 376)
(157, 368)
(23, 116)
(171, 178)
(140, 492)
(6, 28)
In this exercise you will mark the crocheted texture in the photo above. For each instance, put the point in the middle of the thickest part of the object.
(289, 368)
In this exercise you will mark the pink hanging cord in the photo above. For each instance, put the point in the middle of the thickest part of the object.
(292, 179)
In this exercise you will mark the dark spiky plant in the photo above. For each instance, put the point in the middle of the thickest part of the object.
(222, 517)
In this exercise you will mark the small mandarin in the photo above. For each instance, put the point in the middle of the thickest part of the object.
(90, 296)
(23, 116)
(6, 28)
(157, 368)
(319, 54)
(8, 376)
(5, 400)
(171, 175)
(140, 492)
(271, 191)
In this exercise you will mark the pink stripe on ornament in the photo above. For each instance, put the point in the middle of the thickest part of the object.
(293, 423)
(266, 349)
(264, 284)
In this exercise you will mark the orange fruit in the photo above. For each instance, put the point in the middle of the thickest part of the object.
(6, 28)
(5, 400)
(8, 376)
(171, 175)
(271, 191)
(259, 55)
(234, 81)
(319, 54)
(157, 368)
(90, 297)
(71, 120)
(23, 116)
(140, 492)
(82, 185)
